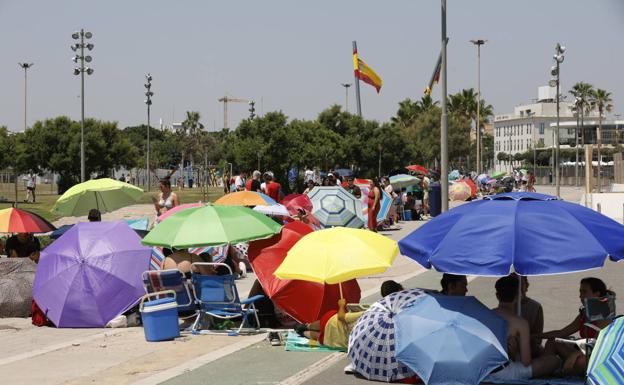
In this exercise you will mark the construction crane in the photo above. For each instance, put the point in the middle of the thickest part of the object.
(225, 100)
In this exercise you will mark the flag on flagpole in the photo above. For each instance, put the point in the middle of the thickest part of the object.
(435, 77)
(365, 73)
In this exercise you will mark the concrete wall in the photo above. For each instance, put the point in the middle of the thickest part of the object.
(610, 204)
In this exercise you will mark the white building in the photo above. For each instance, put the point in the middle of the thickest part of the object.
(531, 125)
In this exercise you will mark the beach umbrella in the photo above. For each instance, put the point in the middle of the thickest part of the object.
(459, 191)
(360, 181)
(304, 301)
(529, 233)
(16, 283)
(482, 178)
(275, 210)
(334, 206)
(418, 169)
(403, 180)
(450, 340)
(211, 225)
(344, 172)
(103, 194)
(64, 228)
(337, 255)
(14, 220)
(174, 210)
(385, 203)
(294, 202)
(471, 184)
(606, 363)
(245, 198)
(498, 174)
(372, 342)
(453, 175)
(91, 275)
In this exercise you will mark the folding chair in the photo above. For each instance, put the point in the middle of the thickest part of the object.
(597, 309)
(172, 279)
(217, 297)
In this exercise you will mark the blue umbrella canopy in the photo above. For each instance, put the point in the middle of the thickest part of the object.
(372, 343)
(334, 206)
(606, 364)
(531, 234)
(448, 340)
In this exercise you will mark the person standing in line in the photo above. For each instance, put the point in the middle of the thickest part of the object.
(253, 184)
(374, 199)
(240, 181)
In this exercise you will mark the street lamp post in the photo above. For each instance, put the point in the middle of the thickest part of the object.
(577, 108)
(25, 66)
(81, 36)
(554, 71)
(346, 86)
(478, 43)
(148, 102)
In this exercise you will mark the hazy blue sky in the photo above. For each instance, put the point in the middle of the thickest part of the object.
(293, 55)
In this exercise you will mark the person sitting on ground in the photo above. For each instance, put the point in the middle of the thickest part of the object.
(533, 313)
(520, 365)
(334, 327)
(94, 215)
(167, 199)
(456, 285)
(388, 287)
(23, 245)
(575, 361)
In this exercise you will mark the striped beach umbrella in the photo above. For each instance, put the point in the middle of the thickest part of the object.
(372, 341)
(403, 180)
(385, 204)
(334, 206)
(459, 191)
(14, 220)
(606, 364)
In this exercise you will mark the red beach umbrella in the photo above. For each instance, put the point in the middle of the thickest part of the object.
(293, 202)
(304, 301)
(417, 168)
(14, 220)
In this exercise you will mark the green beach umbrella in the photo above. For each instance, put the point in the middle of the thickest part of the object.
(606, 363)
(498, 174)
(211, 225)
(103, 194)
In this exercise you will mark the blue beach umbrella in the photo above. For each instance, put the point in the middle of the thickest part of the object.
(372, 340)
(531, 234)
(334, 206)
(448, 340)
(606, 364)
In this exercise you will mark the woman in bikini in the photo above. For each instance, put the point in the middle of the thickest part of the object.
(167, 199)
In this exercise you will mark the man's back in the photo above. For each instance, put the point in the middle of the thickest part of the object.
(518, 337)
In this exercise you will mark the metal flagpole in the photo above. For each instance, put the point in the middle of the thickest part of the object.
(357, 80)
(444, 120)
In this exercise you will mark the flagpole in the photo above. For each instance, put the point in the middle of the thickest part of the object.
(357, 82)
(444, 119)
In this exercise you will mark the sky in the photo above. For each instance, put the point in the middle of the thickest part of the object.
(293, 55)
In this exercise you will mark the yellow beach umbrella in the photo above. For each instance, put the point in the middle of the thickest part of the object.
(338, 254)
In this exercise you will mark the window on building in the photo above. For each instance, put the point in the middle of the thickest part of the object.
(541, 128)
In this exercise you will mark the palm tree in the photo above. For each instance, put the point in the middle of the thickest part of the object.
(407, 113)
(600, 100)
(190, 131)
(426, 103)
(582, 93)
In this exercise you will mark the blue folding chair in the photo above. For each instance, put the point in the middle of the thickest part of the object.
(217, 297)
(172, 279)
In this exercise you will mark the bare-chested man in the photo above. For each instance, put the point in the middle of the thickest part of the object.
(520, 366)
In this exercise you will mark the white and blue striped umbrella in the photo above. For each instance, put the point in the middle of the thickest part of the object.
(334, 206)
(371, 342)
(606, 364)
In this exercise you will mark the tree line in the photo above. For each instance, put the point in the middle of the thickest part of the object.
(335, 139)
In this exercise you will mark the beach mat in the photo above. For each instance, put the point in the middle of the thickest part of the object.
(296, 343)
(540, 381)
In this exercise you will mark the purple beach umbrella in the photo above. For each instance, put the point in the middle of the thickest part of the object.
(91, 274)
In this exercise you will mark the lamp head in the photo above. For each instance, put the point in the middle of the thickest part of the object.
(88, 35)
(75, 58)
(88, 59)
(76, 71)
(76, 35)
(90, 46)
(89, 71)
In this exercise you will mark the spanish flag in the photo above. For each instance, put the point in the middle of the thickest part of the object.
(435, 77)
(365, 73)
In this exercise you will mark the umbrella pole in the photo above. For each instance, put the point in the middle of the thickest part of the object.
(340, 287)
(519, 295)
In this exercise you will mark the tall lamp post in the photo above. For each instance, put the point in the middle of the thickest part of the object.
(346, 86)
(478, 43)
(25, 66)
(577, 110)
(80, 46)
(148, 102)
(554, 71)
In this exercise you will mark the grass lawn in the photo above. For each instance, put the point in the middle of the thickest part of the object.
(46, 196)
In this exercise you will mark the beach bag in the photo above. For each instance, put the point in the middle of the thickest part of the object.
(38, 316)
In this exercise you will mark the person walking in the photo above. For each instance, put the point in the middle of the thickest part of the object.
(374, 199)
(30, 187)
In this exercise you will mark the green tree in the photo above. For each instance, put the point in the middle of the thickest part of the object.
(189, 133)
(582, 93)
